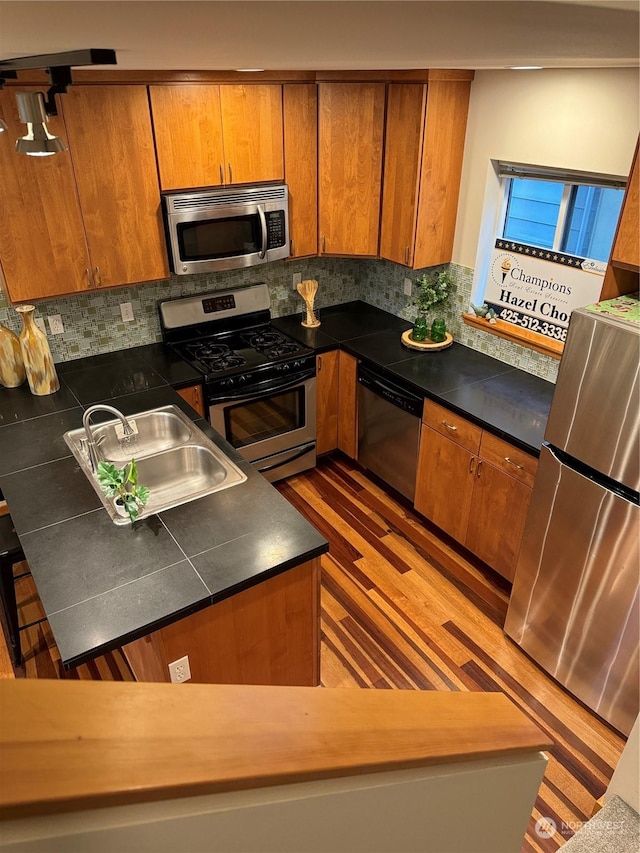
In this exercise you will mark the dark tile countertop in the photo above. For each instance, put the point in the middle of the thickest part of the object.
(509, 402)
(102, 585)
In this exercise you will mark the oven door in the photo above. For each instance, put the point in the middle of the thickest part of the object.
(274, 429)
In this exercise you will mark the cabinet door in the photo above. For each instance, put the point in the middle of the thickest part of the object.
(193, 396)
(403, 150)
(300, 102)
(351, 129)
(188, 129)
(42, 243)
(442, 153)
(497, 517)
(111, 143)
(444, 484)
(626, 247)
(348, 404)
(252, 131)
(327, 401)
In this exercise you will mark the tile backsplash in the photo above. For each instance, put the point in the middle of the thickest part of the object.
(93, 323)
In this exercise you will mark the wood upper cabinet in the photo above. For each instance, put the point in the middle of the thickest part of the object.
(89, 216)
(474, 486)
(208, 135)
(111, 143)
(350, 133)
(624, 264)
(425, 133)
(300, 105)
(327, 401)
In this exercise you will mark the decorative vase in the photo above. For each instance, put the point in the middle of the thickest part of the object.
(12, 372)
(38, 362)
(438, 330)
(420, 328)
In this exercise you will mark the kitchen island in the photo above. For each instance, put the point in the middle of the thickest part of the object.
(230, 579)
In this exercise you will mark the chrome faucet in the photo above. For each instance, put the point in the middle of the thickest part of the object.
(92, 445)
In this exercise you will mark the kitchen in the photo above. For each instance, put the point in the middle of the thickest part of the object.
(609, 94)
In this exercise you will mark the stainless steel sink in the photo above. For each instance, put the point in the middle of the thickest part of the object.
(175, 460)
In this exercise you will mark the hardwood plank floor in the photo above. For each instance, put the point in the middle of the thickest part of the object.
(404, 609)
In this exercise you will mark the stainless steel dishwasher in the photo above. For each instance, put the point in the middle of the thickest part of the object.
(388, 430)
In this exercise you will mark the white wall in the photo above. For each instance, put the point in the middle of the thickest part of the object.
(584, 119)
(625, 781)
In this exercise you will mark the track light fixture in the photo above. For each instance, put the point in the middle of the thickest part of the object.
(36, 107)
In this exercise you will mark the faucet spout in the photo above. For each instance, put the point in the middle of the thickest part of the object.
(92, 445)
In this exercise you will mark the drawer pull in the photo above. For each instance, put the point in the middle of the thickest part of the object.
(450, 426)
(471, 464)
(511, 462)
(479, 467)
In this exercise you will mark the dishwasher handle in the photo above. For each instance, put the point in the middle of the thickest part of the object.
(388, 390)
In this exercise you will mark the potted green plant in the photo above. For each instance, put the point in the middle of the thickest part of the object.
(121, 484)
(432, 289)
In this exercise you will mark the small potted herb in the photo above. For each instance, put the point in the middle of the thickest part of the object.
(122, 485)
(432, 289)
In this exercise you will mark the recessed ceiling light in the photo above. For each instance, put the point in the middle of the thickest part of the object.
(249, 69)
(525, 67)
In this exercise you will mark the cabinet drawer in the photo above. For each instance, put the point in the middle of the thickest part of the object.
(454, 426)
(508, 458)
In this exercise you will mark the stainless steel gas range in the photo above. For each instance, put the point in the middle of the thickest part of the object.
(259, 385)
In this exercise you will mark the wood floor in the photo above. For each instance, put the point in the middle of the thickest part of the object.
(402, 609)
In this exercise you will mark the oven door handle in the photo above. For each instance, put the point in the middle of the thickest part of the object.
(250, 394)
(263, 226)
(306, 448)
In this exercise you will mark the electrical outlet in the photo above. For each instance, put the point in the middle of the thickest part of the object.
(126, 309)
(40, 324)
(179, 670)
(297, 278)
(55, 324)
(408, 288)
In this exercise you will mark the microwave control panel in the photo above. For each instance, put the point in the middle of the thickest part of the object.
(275, 229)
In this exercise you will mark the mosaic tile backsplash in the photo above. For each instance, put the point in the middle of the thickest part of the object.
(93, 323)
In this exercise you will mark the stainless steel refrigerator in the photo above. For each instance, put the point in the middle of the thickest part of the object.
(574, 603)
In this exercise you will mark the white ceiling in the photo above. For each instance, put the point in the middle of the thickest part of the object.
(333, 34)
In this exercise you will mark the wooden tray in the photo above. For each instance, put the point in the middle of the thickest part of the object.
(426, 345)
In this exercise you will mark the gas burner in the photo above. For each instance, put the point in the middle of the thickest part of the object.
(280, 349)
(227, 362)
(265, 340)
(211, 351)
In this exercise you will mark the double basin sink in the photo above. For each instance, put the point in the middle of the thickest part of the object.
(176, 461)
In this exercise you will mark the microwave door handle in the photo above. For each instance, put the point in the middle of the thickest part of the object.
(263, 225)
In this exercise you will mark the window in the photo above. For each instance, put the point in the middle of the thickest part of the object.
(576, 219)
(546, 240)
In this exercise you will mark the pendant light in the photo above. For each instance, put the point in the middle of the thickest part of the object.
(37, 142)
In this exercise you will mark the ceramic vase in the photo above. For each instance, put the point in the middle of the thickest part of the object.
(38, 362)
(12, 372)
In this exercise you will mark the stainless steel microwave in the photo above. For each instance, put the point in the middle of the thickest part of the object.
(225, 228)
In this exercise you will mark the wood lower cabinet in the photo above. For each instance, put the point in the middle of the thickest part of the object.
(424, 147)
(267, 634)
(88, 217)
(327, 365)
(300, 108)
(474, 486)
(193, 396)
(348, 404)
(350, 134)
(209, 134)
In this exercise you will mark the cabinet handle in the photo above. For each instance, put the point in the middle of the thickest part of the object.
(221, 174)
(471, 464)
(323, 243)
(291, 247)
(406, 255)
(478, 468)
(230, 174)
(98, 277)
(450, 426)
(319, 363)
(511, 462)
(89, 278)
